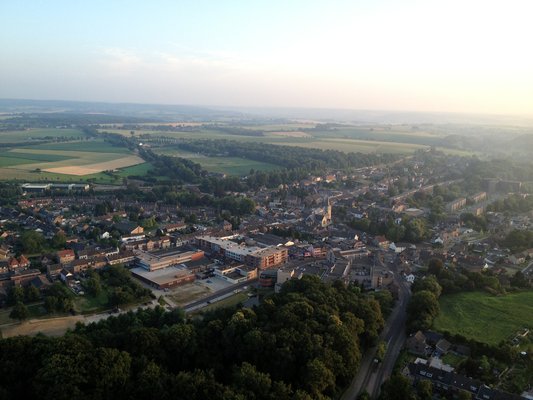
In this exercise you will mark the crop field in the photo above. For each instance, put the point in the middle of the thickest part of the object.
(64, 160)
(27, 136)
(358, 146)
(363, 140)
(227, 165)
(483, 317)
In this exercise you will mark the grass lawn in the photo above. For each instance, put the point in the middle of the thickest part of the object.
(227, 302)
(4, 316)
(90, 304)
(483, 317)
(37, 310)
(227, 165)
(452, 359)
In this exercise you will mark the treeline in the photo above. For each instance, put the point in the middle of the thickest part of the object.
(232, 130)
(175, 168)
(424, 306)
(453, 279)
(286, 156)
(174, 195)
(513, 203)
(304, 343)
(183, 170)
(9, 193)
(412, 230)
(518, 240)
(53, 120)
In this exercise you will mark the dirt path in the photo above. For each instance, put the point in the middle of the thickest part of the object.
(50, 326)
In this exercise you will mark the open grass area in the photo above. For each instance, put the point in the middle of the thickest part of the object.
(227, 302)
(483, 317)
(4, 316)
(357, 146)
(227, 165)
(96, 146)
(134, 170)
(92, 304)
(27, 136)
(453, 359)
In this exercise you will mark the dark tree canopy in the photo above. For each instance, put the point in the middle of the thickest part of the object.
(303, 343)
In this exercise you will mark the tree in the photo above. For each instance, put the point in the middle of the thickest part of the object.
(32, 242)
(397, 387)
(59, 241)
(31, 294)
(424, 389)
(20, 311)
(428, 283)
(435, 267)
(423, 307)
(519, 280)
(464, 395)
(93, 285)
(15, 295)
(318, 377)
(364, 395)
(50, 303)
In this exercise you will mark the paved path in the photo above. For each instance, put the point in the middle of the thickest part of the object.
(370, 377)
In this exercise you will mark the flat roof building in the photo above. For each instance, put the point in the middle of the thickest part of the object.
(165, 277)
(253, 256)
(152, 262)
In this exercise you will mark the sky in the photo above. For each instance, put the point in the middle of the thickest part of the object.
(468, 56)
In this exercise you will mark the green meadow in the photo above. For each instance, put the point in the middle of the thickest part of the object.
(484, 317)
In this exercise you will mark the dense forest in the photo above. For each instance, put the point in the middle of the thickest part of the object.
(304, 343)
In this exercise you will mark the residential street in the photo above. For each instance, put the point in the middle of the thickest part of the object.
(370, 377)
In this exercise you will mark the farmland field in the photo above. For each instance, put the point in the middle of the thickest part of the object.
(483, 317)
(64, 161)
(27, 136)
(357, 140)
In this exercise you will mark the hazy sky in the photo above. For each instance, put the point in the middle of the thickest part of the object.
(451, 55)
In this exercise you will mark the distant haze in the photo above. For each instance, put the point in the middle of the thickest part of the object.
(444, 56)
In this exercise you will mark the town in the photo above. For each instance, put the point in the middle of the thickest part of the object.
(423, 223)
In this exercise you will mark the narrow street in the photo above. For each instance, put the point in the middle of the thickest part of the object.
(370, 377)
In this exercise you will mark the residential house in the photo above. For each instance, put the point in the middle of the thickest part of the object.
(416, 344)
(65, 256)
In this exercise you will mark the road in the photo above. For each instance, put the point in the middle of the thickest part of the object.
(370, 377)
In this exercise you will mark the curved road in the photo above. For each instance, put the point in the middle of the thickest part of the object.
(370, 377)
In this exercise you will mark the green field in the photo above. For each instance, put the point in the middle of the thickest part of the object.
(30, 162)
(27, 136)
(227, 165)
(483, 317)
(230, 301)
(91, 146)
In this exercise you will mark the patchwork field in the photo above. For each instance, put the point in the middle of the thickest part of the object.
(58, 161)
(342, 140)
(483, 317)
